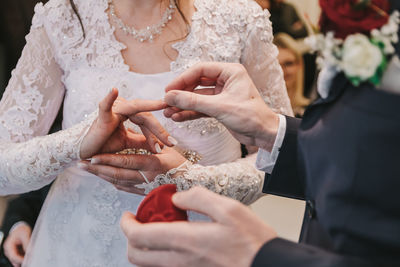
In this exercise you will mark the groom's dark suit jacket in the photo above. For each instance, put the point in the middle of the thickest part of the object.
(343, 158)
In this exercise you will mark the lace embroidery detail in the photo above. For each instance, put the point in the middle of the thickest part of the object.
(200, 126)
(235, 180)
(23, 106)
(105, 208)
(35, 163)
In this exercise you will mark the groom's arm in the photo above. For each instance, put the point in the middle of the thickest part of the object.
(286, 179)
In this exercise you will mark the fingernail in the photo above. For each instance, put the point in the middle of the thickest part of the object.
(172, 140)
(82, 166)
(158, 148)
(94, 161)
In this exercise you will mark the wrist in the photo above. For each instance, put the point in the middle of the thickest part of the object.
(268, 132)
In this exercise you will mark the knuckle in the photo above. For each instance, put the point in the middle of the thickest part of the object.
(131, 257)
(93, 169)
(197, 191)
(193, 100)
(231, 208)
(125, 161)
(117, 175)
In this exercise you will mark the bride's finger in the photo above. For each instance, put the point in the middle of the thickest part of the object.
(129, 108)
(114, 175)
(135, 140)
(152, 140)
(147, 121)
(131, 162)
(105, 106)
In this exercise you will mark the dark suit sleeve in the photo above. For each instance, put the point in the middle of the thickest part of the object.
(284, 253)
(286, 179)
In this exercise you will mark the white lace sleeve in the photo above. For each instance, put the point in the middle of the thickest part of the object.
(35, 163)
(260, 59)
(239, 180)
(28, 108)
(35, 92)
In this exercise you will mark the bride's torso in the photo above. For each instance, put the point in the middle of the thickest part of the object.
(79, 225)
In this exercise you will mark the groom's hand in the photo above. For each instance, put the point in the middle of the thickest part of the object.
(232, 239)
(230, 96)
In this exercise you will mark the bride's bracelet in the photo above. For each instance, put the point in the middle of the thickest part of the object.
(134, 151)
(190, 155)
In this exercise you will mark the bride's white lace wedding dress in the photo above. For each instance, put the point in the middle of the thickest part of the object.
(79, 222)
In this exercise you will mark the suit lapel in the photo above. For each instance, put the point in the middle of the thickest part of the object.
(339, 84)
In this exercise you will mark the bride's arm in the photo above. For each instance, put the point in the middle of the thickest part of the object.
(239, 179)
(28, 108)
(30, 165)
(260, 58)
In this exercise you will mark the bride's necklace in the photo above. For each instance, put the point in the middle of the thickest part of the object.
(148, 33)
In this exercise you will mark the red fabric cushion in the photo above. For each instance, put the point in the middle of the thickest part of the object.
(158, 207)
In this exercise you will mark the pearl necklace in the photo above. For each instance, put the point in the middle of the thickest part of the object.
(148, 33)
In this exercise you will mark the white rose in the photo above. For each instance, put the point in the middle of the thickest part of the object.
(360, 57)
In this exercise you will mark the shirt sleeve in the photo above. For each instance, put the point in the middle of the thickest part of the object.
(266, 160)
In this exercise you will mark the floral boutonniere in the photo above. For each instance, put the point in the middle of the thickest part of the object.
(358, 38)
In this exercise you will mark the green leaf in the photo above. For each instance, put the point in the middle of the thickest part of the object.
(376, 79)
(356, 81)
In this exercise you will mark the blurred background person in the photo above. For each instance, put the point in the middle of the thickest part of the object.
(15, 22)
(291, 60)
(18, 223)
(265, 4)
(285, 18)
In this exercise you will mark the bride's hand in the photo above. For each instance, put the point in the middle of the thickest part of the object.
(107, 133)
(124, 170)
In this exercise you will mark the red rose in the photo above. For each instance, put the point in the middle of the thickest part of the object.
(344, 17)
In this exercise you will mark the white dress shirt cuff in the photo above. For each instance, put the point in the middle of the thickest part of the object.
(266, 160)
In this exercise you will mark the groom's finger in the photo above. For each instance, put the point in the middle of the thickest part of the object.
(195, 75)
(155, 258)
(187, 115)
(162, 236)
(201, 200)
